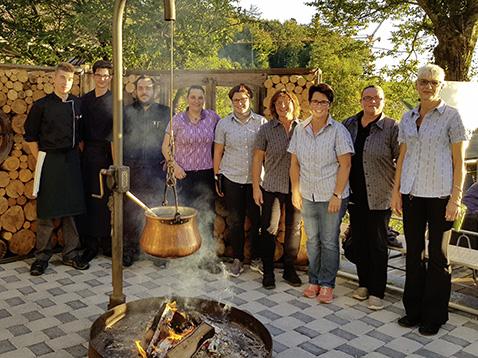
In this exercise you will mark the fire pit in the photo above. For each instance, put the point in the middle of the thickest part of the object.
(214, 330)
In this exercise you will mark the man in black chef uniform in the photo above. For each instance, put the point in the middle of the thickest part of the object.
(97, 124)
(144, 125)
(52, 133)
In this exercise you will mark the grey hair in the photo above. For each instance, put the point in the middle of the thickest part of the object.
(432, 71)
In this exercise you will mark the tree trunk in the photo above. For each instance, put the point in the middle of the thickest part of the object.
(455, 24)
(454, 53)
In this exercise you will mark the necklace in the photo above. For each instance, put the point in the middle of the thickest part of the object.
(194, 119)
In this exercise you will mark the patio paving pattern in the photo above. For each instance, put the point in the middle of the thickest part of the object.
(50, 315)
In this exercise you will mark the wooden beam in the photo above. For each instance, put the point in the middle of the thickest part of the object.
(211, 94)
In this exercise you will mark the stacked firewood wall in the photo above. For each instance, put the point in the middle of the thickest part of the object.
(19, 88)
(297, 84)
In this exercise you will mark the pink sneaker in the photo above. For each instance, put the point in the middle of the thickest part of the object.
(312, 291)
(326, 295)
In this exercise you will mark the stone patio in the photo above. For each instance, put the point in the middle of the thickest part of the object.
(50, 315)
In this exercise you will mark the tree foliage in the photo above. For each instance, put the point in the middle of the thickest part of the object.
(453, 23)
(211, 34)
(346, 65)
(48, 31)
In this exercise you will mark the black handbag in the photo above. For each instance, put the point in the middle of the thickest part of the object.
(350, 251)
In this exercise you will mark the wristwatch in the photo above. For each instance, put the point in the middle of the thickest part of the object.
(339, 196)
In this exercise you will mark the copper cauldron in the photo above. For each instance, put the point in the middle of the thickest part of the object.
(169, 232)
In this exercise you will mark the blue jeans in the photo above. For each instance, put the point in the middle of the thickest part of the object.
(322, 229)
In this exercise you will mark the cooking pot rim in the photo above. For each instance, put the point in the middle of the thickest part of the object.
(168, 212)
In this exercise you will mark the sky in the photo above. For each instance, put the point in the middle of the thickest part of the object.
(282, 9)
(286, 9)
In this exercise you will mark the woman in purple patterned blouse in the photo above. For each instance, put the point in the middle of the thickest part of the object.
(193, 132)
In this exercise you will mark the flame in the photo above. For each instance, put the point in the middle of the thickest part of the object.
(172, 306)
(176, 337)
(140, 349)
(172, 338)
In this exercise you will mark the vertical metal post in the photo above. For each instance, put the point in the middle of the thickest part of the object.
(117, 297)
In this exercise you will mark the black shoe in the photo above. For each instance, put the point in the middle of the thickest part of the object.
(394, 242)
(38, 267)
(407, 322)
(290, 275)
(429, 329)
(88, 255)
(268, 281)
(128, 260)
(77, 263)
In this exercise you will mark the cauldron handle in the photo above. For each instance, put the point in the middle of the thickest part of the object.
(140, 203)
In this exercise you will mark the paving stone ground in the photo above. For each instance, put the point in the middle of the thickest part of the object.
(50, 315)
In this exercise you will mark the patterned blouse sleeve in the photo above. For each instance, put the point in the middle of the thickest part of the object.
(343, 141)
(394, 141)
(261, 140)
(220, 133)
(401, 131)
(293, 141)
(456, 131)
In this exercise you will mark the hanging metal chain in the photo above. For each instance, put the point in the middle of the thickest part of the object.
(170, 177)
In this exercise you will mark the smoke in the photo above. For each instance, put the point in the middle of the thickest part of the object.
(192, 271)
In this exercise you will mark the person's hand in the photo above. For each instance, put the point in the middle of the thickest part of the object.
(297, 200)
(334, 204)
(257, 194)
(218, 184)
(179, 172)
(397, 203)
(452, 210)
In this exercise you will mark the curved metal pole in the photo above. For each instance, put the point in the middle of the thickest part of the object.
(117, 297)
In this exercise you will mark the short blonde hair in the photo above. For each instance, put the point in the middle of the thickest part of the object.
(431, 71)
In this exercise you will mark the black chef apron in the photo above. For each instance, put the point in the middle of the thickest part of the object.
(61, 188)
(96, 222)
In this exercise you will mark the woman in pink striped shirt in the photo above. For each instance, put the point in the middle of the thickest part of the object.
(193, 132)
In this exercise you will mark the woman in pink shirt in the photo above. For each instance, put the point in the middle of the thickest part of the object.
(193, 132)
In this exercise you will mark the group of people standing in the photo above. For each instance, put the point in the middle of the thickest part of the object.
(312, 170)
(414, 166)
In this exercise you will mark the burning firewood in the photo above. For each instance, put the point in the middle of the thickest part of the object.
(172, 333)
(189, 345)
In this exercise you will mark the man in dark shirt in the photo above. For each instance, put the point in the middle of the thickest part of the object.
(97, 124)
(52, 134)
(144, 125)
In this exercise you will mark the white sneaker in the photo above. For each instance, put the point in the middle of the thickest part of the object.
(256, 265)
(236, 268)
(375, 303)
(360, 293)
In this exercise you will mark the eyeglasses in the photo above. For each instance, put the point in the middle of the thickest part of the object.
(241, 100)
(103, 77)
(370, 98)
(320, 103)
(424, 83)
